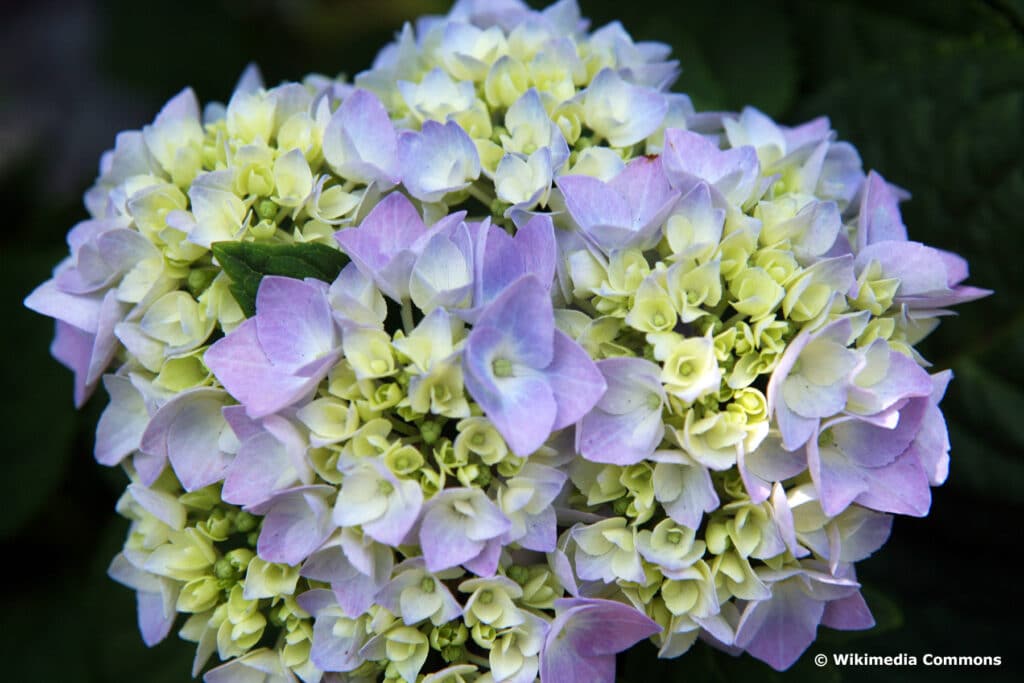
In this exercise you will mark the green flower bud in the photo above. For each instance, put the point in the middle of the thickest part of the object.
(386, 395)
(430, 481)
(771, 334)
(454, 654)
(689, 368)
(750, 527)
(551, 75)
(670, 545)
(371, 439)
(263, 230)
(639, 481)
(149, 208)
(627, 269)
(254, 175)
(725, 341)
(218, 526)
(694, 289)
(476, 121)
(518, 573)
(330, 419)
(489, 151)
(277, 619)
(403, 459)
(753, 403)
(406, 412)
(300, 131)
(240, 558)
(541, 588)
(712, 438)
(220, 304)
(405, 645)
(449, 459)
(199, 595)
(187, 555)
(225, 570)
(812, 290)
(734, 574)
(750, 366)
(370, 353)
(492, 602)
(510, 466)
(445, 635)
(506, 81)
(247, 632)
(205, 498)
(568, 116)
(199, 279)
(483, 635)
(266, 209)
(478, 436)
(735, 250)
(621, 506)
(779, 264)
(717, 537)
(691, 592)
(245, 522)
(296, 653)
(268, 580)
(430, 430)
(603, 487)
(182, 372)
(473, 476)
(325, 463)
(646, 590)
(342, 381)
(732, 484)
(440, 391)
(875, 293)
(652, 309)
(877, 328)
(680, 596)
(757, 294)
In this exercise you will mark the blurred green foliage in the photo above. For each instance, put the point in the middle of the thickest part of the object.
(931, 93)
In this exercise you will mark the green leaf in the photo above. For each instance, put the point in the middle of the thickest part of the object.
(246, 263)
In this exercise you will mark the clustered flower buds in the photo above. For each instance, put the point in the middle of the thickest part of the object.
(497, 361)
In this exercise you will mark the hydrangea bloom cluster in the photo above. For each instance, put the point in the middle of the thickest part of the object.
(497, 361)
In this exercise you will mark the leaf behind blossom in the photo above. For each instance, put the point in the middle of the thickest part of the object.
(248, 262)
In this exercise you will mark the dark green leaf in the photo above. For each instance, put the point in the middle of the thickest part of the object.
(246, 263)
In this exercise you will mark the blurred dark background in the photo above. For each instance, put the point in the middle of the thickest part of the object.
(932, 93)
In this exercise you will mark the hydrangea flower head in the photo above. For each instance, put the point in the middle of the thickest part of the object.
(497, 361)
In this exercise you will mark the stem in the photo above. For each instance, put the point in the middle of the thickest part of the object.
(478, 660)
(404, 429)
(407, 323)
(479, 193)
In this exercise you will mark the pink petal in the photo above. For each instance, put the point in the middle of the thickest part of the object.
(778, 630)
(294, 324)
(575, 381)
